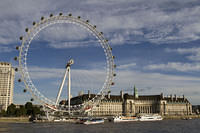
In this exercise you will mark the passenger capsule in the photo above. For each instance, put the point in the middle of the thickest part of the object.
(19, 80)
(95, 26)
(15, 58)
(112, 83)
(17, 47)
(24, 90)
(87, 21)
(21, 37)
(114, 74)
(113, 57)
(70, 15)
(42, 18)
(34, 23)
(32, 99)
(51, 15)
(16, 69)
(115, 66)
(79, 17)
(60, 14)
(26, 29)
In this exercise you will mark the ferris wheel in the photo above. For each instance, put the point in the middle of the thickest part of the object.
(24, 71)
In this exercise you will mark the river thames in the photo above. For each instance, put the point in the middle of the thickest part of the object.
(165, 126)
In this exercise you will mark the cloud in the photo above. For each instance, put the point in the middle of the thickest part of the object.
(64, 32)
(126, 22)
(154, 21)
(166, 83)
(73, 44)
(4, 49)
(89, 78)
(126, 66)
(194, 53)
(177, 66)
(93, 79)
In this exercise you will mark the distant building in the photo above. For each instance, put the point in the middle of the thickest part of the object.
(7, 75)
(130, 105)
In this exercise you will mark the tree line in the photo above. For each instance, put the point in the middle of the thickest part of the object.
(24, 110)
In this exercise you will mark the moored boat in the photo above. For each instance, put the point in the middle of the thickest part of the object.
(147, 117)
(94, 121)
(81, 120)
(124, 119)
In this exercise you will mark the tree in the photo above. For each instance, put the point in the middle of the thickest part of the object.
(3, 113)
(17, 113)
(36, 111)
(29, 108)
(21, 111)
(11, 110)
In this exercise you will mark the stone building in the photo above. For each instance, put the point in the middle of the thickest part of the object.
(131, 105)
(7, 74)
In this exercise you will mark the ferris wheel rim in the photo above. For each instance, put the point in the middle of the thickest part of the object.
(44, 23)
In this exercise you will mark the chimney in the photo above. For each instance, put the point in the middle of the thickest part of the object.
(135, 92)
(122, 94)
(89, 94)
(108, 94)
(162, 96)
(183, 98)
(171, 97)
(175, 97)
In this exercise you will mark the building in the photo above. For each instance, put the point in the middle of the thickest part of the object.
(131, 105)
(7, 74)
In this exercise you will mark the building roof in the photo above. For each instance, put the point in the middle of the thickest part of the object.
(85, 97)
(143, 97)
(5, 63)
(176, 99)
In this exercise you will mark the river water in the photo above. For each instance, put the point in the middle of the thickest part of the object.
(165, 126)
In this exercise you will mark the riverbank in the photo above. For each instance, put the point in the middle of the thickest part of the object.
(26, 119)
(182, 117)
(14, 119)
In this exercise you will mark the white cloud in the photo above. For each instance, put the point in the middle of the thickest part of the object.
(84, 79)
(194, 53)
(5, 49)
(64, 32)
(126, 66)
(155, 22)
(126, 21)
(168, 84)
(74, 44)
(90, 78)
(171, 66)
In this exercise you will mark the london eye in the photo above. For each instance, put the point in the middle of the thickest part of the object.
(26, 41)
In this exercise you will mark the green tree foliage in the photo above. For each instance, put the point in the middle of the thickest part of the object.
(11, 110)
(29, 108)
(24, 110)
(3, 113)
(21, 111)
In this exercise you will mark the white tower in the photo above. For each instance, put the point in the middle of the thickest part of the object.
(67, 73)
(7, 75)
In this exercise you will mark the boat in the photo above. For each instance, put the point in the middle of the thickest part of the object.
(187, 118)
(60, 120)
(148, 117)
(81, 120)
(124, 119)
(94, 121)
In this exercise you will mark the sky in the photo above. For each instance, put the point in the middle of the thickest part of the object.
(156, 45)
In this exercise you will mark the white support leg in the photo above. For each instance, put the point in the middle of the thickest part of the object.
(61, 86)
(69, 90)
